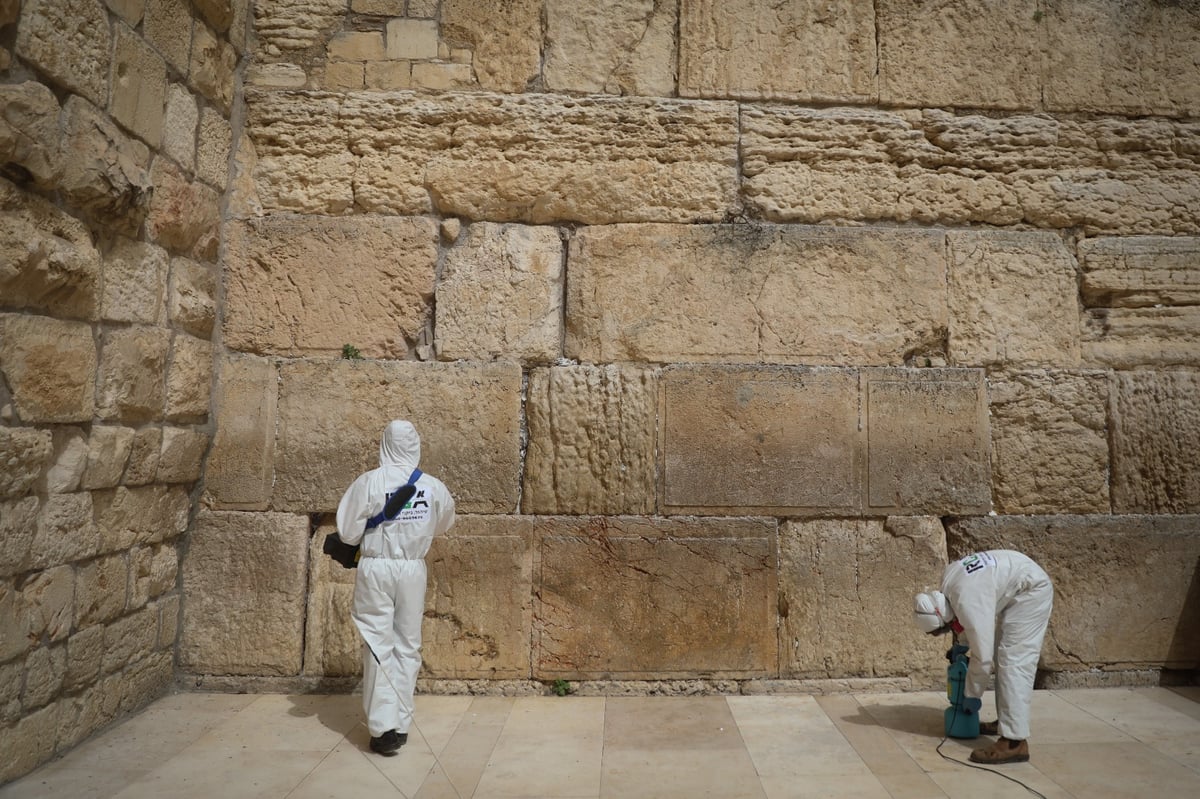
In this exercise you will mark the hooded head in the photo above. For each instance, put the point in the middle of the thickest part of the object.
(401, 446)
(932, 612)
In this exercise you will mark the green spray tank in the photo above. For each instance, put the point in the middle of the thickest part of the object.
(961, 721)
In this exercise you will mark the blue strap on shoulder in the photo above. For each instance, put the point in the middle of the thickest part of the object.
(382, 516)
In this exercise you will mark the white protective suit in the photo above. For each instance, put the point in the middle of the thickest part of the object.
(1002, 600)
(389, 591)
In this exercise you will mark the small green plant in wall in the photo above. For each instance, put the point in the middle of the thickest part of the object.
(351, 353)
(562, 688)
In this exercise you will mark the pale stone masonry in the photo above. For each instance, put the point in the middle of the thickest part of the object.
(725, 323)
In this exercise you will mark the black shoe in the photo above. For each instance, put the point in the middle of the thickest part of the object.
(388, 744)
(402, 737)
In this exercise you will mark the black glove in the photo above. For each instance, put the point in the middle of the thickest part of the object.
(340, 551)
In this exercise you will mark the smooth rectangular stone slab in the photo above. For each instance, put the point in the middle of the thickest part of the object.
(332, 415)
(927, 441)
(755, 293)
(766, 440)
(1128, 338)
(637, 598)
(1125, 587)
(503, 158)
(1154, 430)
(240, 471)
(1140, 271)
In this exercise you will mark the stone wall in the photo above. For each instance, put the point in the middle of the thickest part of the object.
(114, 147)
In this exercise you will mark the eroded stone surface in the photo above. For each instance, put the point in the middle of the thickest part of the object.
(244, 593)
(133, 368)
(1140, 271)
(139, 87)
(1105, 568)
(332, 414)
(29, 131)
(626, 47)
(184, 215)
(629, 597)
(105, 171)
(761, 49)
(842, 582)
(192, 296)
(128, 517)
(1156, 442)
(1128, 338)
(1050, 442)
(592, 434)
(281, 297)
(189, 378)
(135, 283)
(50, 367)
(182, 455)
(285, 28)
(241, 469)
(65, 531)
(70, 40)
(108, 452)
(24, 452)
(505, 40)
(757, 293)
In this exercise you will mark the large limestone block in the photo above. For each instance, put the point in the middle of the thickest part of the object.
(50, 367)
(846, 582)
(1140, 271)
(332, 645)
(139, 87)
(756, 293)
(152, 573)
(505, 40)
(1013, 300)
(935, 167)
(189, 378)
(18, 523)
(288, 27)
(1050, 442)
(1127, 58)
(479, 601)
(45, 670)
(243, 594)
(144, 451)
(1155, 434)
(108, 453)
(133, 371)
(46, 603)
(192, 303)
(101, 589)
(129, 639)
(241, 466)
(47, 259)
(1128, 338)
(143, 515)
(29, 139)
(182, 455)
(806, 50)
(501, 295)
(85, 653)
(927, 441)
(1126, 588)
(167, 25)
(214, 145)
(105, 171)
(31, 740)
(592, 436)
(638, 598)
(68, 463)
(184, 215)
(212, 67)
(768, 440)
(179, 126)
(24, 453)
(332, 414)
(305, 285)
(135, 283)
(627, 47)
(70, 41)
(65, 531)
(977, 54)
(532, 158)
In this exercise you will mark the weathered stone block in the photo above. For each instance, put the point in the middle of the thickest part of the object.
(182, 455)
(976, 54)
(927, 441)
(46, 603)
(935, 167)
(152, 573)
(192, 296)
(408, 38)
(129, 10)
(388, 76)
(14, 626)
(168, 622)
(363, 45)
(129, 639)
(167, 24)
(1155, 432)
(755, 293)
(50, 367)
(505, 40)
(144, 451)
(1113, 57)
(531, 158)
(65, 530)
(47, 260)
(760, 49)
(10, 692)
(105, 171)
(67, 464)
(1050, 442)
(24, 452)
(591, 440)
(1128, 338)
(29, 137)
(135, 283)
(240, 469)
(1138, 569)
(442, 77)
(243, 588)
(479, 602)
(101, 589)
(85, 653)
(631, 598)
(18, 523)
(281, 297)
(69, 40)
(220, 14)
(1140, 271)
(144, 515)
(189, 378)
(133, 369)
(343, 76)
(179, 126)
(139, 87)
(332, 414)
(184, 216)
(213, 148)
(45, 668)
(500, 295)
(30, 741)
(771, 440)
(332, 645)
(212, 67)
(1013, 300)
(617, 48)
(842, 583)
(108, 452)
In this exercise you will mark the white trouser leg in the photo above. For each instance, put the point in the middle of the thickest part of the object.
(389, 603)
(1020, 631)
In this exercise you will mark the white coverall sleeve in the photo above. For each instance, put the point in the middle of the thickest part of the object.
(445, 519)
(352, 513)
(975, 609)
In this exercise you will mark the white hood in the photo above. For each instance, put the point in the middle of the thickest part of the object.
(401, 445)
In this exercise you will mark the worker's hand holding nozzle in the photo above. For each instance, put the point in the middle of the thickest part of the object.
(971, 705)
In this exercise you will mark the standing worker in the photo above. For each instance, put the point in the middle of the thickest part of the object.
(998, 603)
(389, 591)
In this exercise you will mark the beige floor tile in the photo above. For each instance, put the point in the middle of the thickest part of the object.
(1139, 712)
(350, 770)
(1054, 719)
(911, 786)
(1116, 771)
(791, 737)
(661, 773)
(236, 773)
(275, 722)
(916, 723)
(826, 787)
(550, 746)
(998, 784)
(670, 723)
(464, 757)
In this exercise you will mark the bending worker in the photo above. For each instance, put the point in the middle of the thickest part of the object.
(389, 591)
(998, 603)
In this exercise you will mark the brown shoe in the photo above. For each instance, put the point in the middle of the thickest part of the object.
(989, 728)
(1003, 751)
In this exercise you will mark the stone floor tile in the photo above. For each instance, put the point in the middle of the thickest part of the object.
(790, 738)
(658, 773)
(1116, 771)
(231, 773)
(841, 786)
(669, 723)
(998, 784)
(1054, 719)
(351, 770)
(464, 757)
